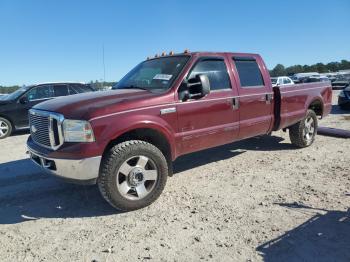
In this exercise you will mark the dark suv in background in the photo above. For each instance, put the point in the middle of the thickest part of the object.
(14, 107)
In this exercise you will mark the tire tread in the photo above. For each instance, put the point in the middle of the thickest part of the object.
(296, 131)
(107, 166)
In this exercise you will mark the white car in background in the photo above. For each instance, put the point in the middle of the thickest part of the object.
(281, 81)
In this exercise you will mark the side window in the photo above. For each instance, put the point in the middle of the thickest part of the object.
(40, 92)
(72, 90)
(60, 90)
(215, 70)
(249, 72)
(286, 81)
(79, 88)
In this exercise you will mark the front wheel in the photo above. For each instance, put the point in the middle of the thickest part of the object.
(302, 134)
(5, 128)
(133, 174)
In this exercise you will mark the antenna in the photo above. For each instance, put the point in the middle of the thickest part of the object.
(103, 61)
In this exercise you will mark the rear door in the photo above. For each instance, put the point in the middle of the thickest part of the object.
(211, 120)
(255, 96)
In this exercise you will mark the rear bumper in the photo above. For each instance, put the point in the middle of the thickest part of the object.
(81, 171)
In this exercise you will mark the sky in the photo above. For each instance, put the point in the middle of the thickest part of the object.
(43, 41)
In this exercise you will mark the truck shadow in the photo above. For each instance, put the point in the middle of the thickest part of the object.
(324, 237)
(261, 143)
(26, 193)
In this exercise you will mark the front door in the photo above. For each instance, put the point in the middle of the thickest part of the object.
(255, 98)
(211, 120)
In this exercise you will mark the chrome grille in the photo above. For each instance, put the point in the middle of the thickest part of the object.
(46, 128)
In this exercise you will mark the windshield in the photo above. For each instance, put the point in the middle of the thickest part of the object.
(14, 95)
(153, 75)
(273, 80)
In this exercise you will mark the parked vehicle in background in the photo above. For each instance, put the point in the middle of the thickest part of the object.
(313, 79)
(14, 107)
(126, 139)
(300, 77)
(343, 81)
(344, 98)
(331, 76)
(281, 81)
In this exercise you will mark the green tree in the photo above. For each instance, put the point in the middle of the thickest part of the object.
(279, 70)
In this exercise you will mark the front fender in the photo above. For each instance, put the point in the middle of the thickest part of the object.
(109, 128)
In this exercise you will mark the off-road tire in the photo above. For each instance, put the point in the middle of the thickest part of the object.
(111, 162)
(296, 133)
(9, 125)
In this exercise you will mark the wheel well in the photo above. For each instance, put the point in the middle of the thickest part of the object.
(317, 107)
(8, 119)
(149, 135)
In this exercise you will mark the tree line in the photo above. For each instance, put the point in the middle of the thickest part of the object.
(95, 84)
(278, 70)
(8, 89)
(281, 70)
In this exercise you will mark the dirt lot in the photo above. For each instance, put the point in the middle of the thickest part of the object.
(256, 200)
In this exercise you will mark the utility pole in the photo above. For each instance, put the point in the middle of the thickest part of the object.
(103, 61)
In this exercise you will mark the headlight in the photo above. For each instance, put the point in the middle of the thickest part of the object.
(77, 131)
(342, 94)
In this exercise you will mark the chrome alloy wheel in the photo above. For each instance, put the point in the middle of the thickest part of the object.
(309, 129)
(4, 128)
(137, 177)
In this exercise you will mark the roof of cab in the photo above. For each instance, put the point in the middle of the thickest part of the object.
(203, 53)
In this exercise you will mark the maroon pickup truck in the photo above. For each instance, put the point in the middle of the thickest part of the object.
(126, 139)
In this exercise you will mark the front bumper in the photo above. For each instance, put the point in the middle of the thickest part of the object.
(82, 171)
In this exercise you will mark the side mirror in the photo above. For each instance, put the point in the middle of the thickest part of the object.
(195, 88)
(23, 100)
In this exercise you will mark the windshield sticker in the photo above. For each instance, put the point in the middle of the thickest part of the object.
(162, 77)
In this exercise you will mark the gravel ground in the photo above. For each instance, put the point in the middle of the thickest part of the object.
(256, 200)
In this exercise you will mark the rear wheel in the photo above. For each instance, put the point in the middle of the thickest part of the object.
(302, 134)
(133, 174)
(5, 128)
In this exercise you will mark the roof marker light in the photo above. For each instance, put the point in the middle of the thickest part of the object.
(186, 51)
(171, 53)
(164, 54)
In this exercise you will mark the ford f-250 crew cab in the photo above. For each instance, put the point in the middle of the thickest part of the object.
(126, 139)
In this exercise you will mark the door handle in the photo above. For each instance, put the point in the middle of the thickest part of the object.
(268, 98)
(235, 103)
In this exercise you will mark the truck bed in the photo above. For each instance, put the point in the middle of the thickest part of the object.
(292, 102)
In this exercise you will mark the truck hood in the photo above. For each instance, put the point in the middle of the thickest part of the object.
(89, 105)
